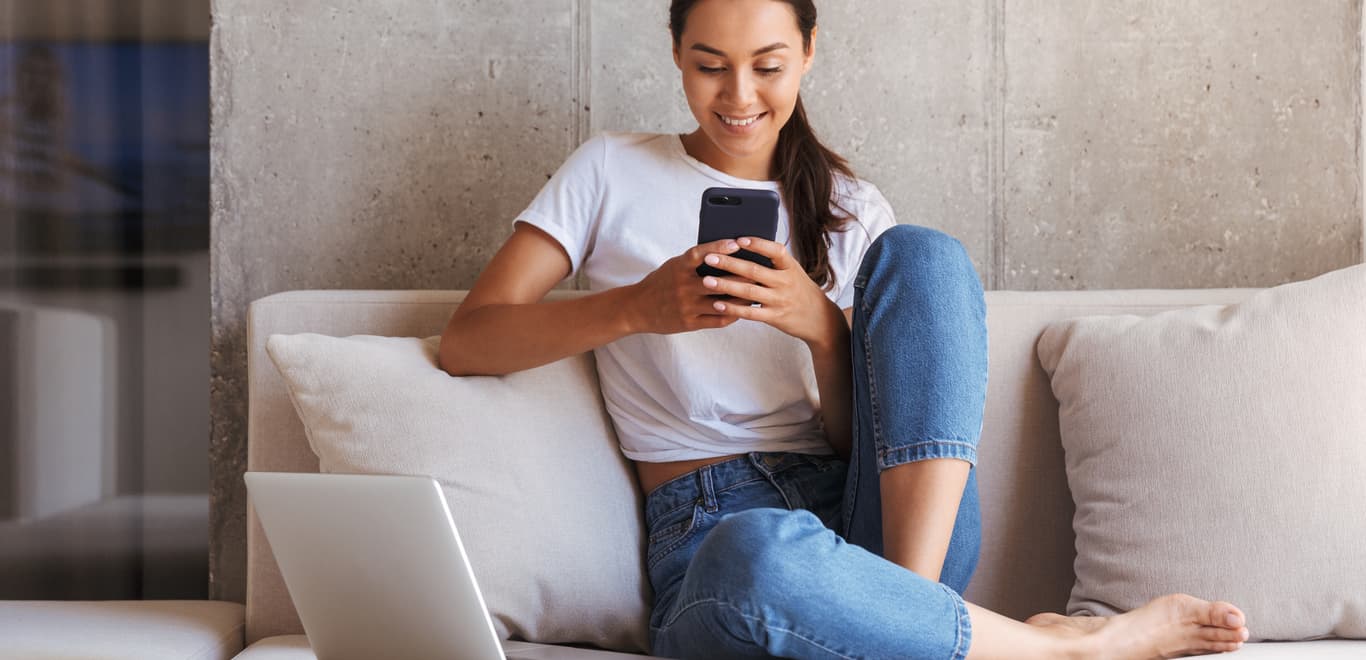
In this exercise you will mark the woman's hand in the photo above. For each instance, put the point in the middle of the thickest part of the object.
(672, 298)
(789, 300)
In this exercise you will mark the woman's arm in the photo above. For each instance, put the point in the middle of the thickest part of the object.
(502, 326)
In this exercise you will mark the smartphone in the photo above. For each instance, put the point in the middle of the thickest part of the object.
(736, 212)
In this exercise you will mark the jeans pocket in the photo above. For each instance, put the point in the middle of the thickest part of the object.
(672, 530)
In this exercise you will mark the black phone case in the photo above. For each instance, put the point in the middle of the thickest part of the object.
(736, 212)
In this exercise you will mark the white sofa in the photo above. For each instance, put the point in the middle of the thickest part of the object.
(1027, 552)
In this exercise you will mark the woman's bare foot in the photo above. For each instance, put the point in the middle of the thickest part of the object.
(1168, 627)
(1072, 626)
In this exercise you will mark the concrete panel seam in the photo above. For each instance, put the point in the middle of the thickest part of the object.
(582, 86)
(996, 90)
(582, 69)
(575, 72)
(1361, 127)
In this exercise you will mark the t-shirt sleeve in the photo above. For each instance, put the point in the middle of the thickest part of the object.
(875, 217)
(568, 205)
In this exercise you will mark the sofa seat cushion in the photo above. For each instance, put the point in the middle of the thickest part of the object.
(279, 647)
(121, 629)
(1323, 649)
(295, 647)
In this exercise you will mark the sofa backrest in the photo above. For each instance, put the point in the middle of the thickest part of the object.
(1027, 545)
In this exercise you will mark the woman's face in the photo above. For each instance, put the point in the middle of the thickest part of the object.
(742, 61)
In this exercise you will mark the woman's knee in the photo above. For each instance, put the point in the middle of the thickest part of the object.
(755, 549)
(919, 253)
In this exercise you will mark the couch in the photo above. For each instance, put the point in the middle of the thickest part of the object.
(1027, 553)
(1026, 562)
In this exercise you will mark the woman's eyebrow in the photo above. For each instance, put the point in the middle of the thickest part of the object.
(769, 48)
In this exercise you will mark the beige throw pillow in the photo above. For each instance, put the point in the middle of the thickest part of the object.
(546, 505)
(1221, 451)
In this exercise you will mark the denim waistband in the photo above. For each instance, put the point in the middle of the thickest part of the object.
(705, 482)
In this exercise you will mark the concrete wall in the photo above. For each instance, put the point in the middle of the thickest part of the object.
(1077, 144)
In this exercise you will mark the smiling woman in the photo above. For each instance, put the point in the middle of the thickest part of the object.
(736, 91)
(749, 111)
(808, 463)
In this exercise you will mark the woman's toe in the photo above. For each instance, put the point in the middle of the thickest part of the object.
(1217, 634)
(1221, 614)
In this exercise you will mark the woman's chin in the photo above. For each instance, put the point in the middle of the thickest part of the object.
(740, 146)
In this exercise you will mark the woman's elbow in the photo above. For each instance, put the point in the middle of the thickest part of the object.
(447, 355)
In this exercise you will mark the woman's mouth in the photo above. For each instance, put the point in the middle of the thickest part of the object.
(740, 125)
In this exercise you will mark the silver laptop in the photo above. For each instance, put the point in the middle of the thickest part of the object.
(376, 569)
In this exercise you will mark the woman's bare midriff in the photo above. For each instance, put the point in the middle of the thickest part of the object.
(652, 475)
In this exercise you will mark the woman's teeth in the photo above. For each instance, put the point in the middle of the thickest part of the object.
(740, 122)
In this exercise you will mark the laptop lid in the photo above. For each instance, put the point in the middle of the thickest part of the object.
(374, 565)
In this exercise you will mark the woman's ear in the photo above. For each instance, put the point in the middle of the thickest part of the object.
(677, 63)
(810, 56)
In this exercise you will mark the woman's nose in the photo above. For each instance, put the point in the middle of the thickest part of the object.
(741, 89)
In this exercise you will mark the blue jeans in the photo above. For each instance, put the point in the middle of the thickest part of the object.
(780, 554)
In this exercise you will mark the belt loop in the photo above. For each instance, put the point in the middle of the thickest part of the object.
(708, 490)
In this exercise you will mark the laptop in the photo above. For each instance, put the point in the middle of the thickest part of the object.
(376, 569)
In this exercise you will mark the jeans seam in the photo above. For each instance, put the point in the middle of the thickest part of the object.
(735, 608)
(871, 379)
(693, 502)
(889, 457)
(739, 484)
(678, 542)
(853, 473)
(963, 632)
(652, 540)
(773, 481)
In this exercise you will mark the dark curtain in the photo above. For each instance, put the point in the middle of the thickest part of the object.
(104, 227)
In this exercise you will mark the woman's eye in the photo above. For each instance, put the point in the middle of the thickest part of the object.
(709, 69)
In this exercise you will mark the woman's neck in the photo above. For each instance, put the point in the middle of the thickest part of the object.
(756, 168)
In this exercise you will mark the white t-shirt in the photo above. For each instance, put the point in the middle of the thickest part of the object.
(622, 205)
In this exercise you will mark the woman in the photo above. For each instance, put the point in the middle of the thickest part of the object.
(808, 462)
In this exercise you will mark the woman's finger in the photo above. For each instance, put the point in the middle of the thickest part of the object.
(743, 268)
(743, 311)
(696, 253)
(738, 288)
(776, 252)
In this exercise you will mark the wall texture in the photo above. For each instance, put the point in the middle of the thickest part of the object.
(1078, 144)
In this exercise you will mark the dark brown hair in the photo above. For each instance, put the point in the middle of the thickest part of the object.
(804, 168)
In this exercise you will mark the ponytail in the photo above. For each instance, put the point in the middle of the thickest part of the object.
(805, 170)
